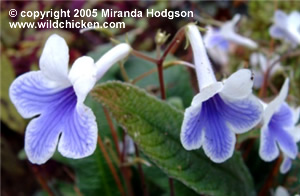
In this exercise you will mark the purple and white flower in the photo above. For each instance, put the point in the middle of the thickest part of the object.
(286, 27)
(55, 97)
(220, 110)
(218, 40)
(278, 122)
(260, 64)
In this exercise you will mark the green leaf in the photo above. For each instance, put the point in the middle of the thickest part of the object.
(9, 114)
(155, 127)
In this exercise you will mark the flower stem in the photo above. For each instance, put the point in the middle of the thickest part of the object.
(110, 165)
(288, 54)
(272, 175)
(143, 56)
(140, 169)
(41, 180)
(113, 132)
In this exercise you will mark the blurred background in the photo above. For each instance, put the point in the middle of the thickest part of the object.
(21, 49)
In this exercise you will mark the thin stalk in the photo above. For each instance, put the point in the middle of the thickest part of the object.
(288, 54)
(171, 185)
(272, 175)
(143, 56)
(41, 180)
(113, 132)
(140, 169)
(125, 171)
(123, 72)
(110, 165)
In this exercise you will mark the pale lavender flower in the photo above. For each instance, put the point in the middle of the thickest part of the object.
(278, 122)
(260, 64)
(218, 40)
(286, 27)
(220, 110)
(56, 99)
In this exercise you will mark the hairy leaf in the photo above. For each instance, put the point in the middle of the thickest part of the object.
(155, 127)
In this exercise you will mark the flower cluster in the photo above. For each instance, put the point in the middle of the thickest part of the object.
(55, 97)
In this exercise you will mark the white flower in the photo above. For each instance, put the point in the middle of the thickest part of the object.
(218, 40)
(286, 27)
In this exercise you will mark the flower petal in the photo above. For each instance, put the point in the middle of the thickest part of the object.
(218, 140)
(244, 41)
(285, 165)
(41, 138)
(268, 151)
(54, 60)
(274, 105)
(32, 93)
(207, 93)
(281, 191)
(42, 133)
(286, 142)
(280, 18)
(192, 128)
(79, 135)
(242, 114)
(238, 85)
(83, 77)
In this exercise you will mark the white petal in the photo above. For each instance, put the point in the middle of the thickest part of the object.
(296, 133)
(205, 74)
(281, 191)
(207, 93)
(83, 77)
(244, 41)
(239, 84)
(294, 25)
(114, 55)
(274, 105)
(54, 59)
(218, 55)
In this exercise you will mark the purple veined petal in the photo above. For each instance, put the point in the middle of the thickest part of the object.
(79, 135)
(285, 165)
(218, 140)
(241, 114)
(276, 132)
(32, 93)
(42, 133)
(268, 150)
(192, 128)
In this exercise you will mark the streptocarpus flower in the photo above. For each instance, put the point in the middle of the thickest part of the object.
(220, 109)
(286, 27)
(278, 122)
(260, 64)
(56, 97)
(218, 40)
(281, 191)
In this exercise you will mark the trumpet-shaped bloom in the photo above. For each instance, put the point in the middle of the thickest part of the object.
(278, 121)
(218, 40)
(286, 27)
(220, 110)
(260, 65)
(55, 98)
